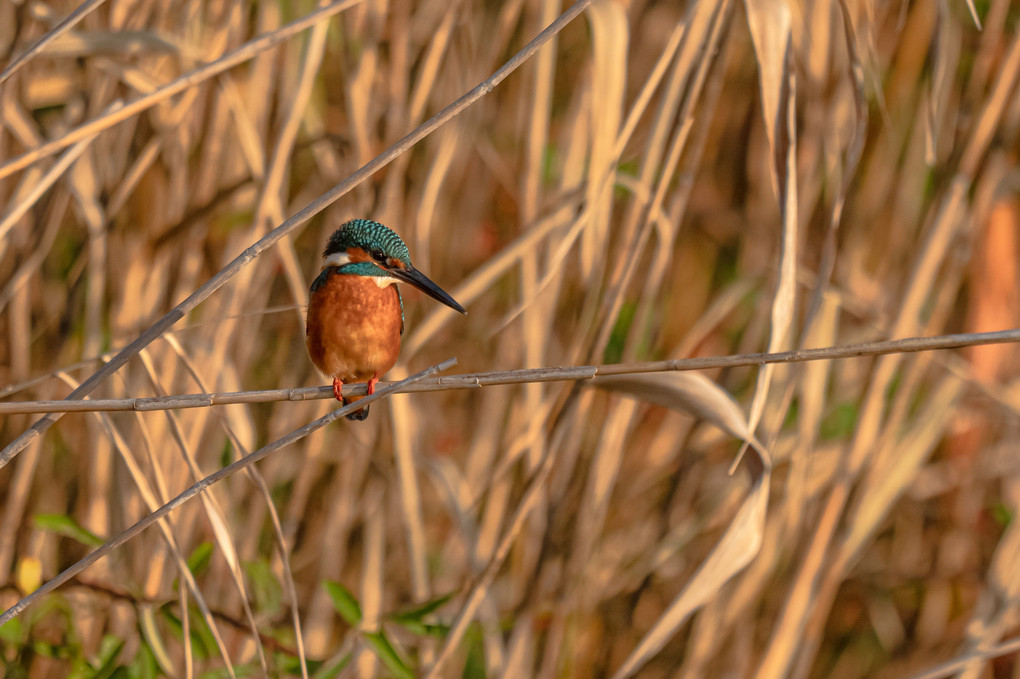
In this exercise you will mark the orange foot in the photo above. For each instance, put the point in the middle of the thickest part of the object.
(372, 382)
(337, 386)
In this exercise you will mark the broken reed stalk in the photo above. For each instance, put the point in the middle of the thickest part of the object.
(504, 377)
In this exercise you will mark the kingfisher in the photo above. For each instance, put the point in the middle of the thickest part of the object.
(355, 312)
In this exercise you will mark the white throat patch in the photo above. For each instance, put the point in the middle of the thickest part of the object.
(383, 281)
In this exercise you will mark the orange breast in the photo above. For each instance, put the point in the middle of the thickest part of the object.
(353, 327)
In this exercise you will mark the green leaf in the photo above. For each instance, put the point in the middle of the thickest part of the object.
(203, 644)
(105, 661)
(840, 423)
(12, 631)
(382, 647)
(413, 619)
(614, 349)
(417, 614)
(48, 650)
(266, 589)
(144, 665)
(103, 665)
(199, 558)
(344, 602)
(243, 670)
(474, 663)
(227, 454)
(1002, 514)
(438, 631)
(328, 671)
(61, 524)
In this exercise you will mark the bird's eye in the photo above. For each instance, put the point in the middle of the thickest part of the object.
(379, 256)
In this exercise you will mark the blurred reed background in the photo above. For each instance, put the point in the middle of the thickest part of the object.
(615, 199)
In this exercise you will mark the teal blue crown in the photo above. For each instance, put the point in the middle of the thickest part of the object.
(369, 236)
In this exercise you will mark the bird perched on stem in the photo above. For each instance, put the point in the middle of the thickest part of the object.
(355, 312)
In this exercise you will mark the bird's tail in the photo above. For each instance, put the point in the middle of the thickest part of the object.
(357, 415)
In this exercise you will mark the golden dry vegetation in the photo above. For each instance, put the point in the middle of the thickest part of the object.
(660, 180)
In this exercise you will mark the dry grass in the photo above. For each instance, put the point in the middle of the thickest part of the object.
(626, 195)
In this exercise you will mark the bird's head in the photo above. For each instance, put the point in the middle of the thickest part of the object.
(362, 247)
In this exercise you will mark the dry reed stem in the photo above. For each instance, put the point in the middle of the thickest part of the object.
(179, 85)
(971, 659)
(527, 376)
(40, 186)
(771, 34)
(66, 24)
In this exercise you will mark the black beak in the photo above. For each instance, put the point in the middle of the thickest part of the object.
(422, 282)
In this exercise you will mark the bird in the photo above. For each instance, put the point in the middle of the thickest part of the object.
(355, 313)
